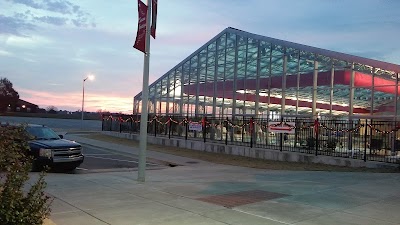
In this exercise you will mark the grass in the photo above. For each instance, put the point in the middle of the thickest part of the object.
(238, 160)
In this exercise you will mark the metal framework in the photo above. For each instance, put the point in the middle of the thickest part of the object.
(238, 73)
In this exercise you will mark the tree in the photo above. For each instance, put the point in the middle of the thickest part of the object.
(19, 203)
(8, 96)
(52, 109)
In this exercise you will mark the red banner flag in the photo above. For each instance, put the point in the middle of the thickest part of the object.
(153, 17)
(140, 42)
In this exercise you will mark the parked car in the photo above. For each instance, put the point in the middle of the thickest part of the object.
(50, 149)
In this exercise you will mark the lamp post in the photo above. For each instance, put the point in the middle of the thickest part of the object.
(90, 77)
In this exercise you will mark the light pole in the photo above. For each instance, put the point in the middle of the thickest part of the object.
(90, 77)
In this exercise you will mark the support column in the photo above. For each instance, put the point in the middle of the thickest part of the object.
(269, 91)
(181, 94)
(196, 110)
(223, 83)
(214, 105)
(168, 94)
(269, 80)
(315, 89)
(283, 100)
(351, 94)
(257, 102)
(235, 79)
(331, 88)
(351, 110)
(298, 83)
(396, 99)
(245, 79)
(397, 96)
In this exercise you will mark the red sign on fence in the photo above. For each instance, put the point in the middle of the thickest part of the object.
(279, 127)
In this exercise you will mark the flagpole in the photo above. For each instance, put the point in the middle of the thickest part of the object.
(145, 99)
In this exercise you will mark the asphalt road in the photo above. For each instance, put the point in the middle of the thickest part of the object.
(103, 160)
(96, 159)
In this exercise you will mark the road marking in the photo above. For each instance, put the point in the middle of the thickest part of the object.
(119, 160)
(98, 154)
(79, 168)
(264, 217)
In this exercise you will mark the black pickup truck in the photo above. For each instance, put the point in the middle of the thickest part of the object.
(50, 149)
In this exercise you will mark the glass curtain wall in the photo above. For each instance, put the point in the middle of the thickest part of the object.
(239, 74)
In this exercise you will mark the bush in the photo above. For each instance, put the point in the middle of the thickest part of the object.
(16, 205)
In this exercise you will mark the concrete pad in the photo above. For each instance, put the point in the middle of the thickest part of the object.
(106, 201)
(72, 193)
(283, 211)
(156, 195)
(394, 200)
(192, 205)
(187, 190)
(300, 188)
(340, 218)
(143, 213)
(185, 218)
(363, 192)
(59, 206)
(224, 187)
(74, 218)
(379, 210)
(326, 200)
(230, 216)
(167, 196)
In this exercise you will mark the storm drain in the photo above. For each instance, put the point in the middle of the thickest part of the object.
(241, 198)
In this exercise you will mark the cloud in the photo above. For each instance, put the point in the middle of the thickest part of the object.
(5, 53)
(15, 25)
(64, 12)
(58, 6)
(58, 21)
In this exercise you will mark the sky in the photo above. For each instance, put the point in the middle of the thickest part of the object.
(47, 47)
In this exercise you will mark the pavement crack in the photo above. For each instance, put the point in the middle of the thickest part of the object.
(82, 210)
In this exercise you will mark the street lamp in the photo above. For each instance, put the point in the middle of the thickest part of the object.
(90, 77)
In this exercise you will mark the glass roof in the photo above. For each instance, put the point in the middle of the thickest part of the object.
(234, 55)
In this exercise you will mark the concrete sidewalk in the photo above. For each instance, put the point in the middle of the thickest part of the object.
(206, 193)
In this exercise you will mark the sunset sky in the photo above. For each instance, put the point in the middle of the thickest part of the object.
(47, 47)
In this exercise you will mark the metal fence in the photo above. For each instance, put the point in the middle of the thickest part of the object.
(367, 139)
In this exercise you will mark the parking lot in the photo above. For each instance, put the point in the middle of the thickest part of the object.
(105, 160)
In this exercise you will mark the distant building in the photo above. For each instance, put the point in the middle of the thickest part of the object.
(24, 106)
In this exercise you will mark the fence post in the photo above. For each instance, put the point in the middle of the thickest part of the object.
(131, 130)
(204, 121)
(111, 123)
(281, 137)
(226, 133)
(316, 128)
(296, 130)
(243, 130)
(365, 140)
(120, 125)
(251, 131)
(186, 128)
(170, 126)
(155, 126)
(166, 125)
(102, 123)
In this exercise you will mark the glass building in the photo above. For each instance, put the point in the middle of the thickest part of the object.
(239, 73)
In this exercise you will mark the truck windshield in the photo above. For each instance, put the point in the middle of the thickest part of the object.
(42, 133)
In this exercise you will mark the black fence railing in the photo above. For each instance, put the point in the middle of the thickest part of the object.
(368, 140)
